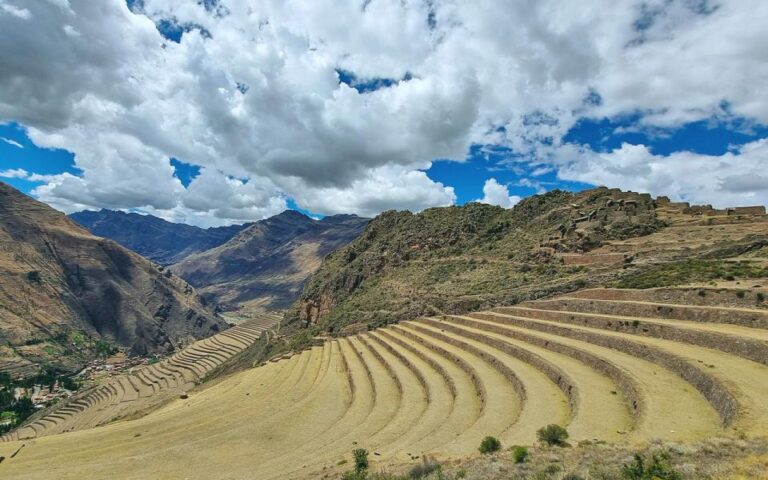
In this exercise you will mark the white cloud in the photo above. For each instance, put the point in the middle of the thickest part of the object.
(733, 179)
(7, 8)
(10, 141)
(14, 173)
(105, 85)
(495, 193)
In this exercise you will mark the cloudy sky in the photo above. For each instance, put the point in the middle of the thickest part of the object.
(223, 111)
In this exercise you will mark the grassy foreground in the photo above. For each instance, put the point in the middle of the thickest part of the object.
(712, 459)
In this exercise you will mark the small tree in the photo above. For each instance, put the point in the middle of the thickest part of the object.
(520, 454)
(553, 435)
(489, 445)
(361, 459)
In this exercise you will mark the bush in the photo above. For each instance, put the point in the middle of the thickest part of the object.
(490, 445)
(740, 294)
(361, 459)
(553, 435)
(34, 277)
(428, 467)
(760, 297)
(655, 469)
(520, 454)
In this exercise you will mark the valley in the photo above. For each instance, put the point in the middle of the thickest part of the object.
(603, 363)
(631, 322)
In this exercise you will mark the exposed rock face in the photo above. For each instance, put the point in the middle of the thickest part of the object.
(267, 264)
(154, 238)
(61, 287)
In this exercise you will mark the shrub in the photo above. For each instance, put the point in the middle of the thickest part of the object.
(760, 297)
(361, 459)
(740, 294)
(572, 476)
(428, 467)
(34, 277)
(489, 445)
(520, 454)
(654, 469)
(553, 435)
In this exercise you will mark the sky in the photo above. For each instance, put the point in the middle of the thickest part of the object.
(214, 112)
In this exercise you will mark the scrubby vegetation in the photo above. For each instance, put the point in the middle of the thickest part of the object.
(553, 435)
(692, 271)
(710, 460)
(459, 259)
(654, 468)
(490, 445)
(520, 454)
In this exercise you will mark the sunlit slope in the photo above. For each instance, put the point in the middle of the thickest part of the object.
(146, 386)
(614, 365)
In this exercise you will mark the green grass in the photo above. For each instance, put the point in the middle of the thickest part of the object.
(691, 271)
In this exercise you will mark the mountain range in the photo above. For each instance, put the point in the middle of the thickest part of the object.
(261, 265)
(161, 241)
(65, 293)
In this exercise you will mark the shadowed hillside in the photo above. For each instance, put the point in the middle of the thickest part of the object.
(62, 290)
(266, 264)
(154, 238)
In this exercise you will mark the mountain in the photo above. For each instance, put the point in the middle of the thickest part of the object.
(154, 238)
(471, 257)
(266, 264)
(66, 294)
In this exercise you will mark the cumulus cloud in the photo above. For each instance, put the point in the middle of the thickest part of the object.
(251, 93)
(14, 173)
(735, 178)
(495, 193)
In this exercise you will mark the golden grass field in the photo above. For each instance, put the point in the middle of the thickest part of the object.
(621, 366)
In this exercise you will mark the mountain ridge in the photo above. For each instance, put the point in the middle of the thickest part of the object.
(152, 237)
(63, 288)
(266, 264)
(474, 256)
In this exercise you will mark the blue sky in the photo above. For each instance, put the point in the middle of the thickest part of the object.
(211, 112)
(467, 178)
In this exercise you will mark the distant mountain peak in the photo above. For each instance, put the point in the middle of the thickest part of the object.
(155, 238)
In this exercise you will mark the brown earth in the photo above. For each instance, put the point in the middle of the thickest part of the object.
(62, 288)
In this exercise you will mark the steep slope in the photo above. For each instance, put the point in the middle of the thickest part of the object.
(458, 259)
(154, 238)
(267, 263)
(62, 289)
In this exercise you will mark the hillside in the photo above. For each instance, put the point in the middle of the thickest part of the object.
(458, 259)
(632, 324)
(154, 238)
(266, 264)
(65, 293)
(673, 371)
